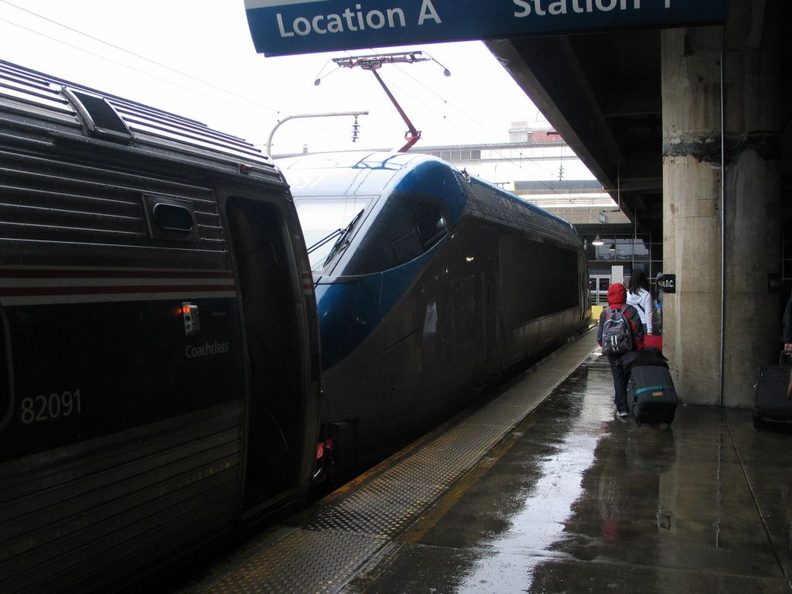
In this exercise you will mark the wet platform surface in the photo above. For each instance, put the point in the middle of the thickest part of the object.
(544, 490)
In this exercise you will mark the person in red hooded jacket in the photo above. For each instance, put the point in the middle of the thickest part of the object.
(617, 299)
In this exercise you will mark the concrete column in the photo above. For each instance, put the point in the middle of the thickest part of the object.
(692, 237)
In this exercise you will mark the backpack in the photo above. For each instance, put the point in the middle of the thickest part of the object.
(617, 336)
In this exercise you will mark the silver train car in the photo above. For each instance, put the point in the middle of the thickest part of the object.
(159, 361)
(429, 284)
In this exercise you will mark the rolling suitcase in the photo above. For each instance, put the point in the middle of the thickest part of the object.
(654, 341)
(772, 407)
(651, 396)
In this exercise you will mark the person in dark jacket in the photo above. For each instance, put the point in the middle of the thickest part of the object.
(617, 299)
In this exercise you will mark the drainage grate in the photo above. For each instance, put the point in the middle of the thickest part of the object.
(304, 561)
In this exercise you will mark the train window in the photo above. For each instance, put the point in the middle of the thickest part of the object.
(431, 224)
(324, 222)
(170, 218)
(173, 218)
(406, 226)
(406, 247)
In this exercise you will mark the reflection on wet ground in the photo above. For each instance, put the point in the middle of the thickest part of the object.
(574, 500)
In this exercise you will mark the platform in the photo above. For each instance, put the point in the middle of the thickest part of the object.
(542, 489)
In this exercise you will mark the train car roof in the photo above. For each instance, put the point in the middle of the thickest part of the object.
(47, 106)
(331, 171)
(511, 209)
(328, 174)
(369, 160)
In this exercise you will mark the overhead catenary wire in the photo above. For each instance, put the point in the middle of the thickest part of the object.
(247, 104)
(406, 91)
(128, 52)
(403, 90)
(391, 80)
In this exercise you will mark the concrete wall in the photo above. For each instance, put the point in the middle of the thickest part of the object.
(694, 239)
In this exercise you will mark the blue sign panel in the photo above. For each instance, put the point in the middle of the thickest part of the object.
(282, 27)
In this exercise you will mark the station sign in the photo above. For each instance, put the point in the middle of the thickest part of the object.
(286, 27)
(667, 283)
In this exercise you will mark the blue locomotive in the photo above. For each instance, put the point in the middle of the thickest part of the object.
(429, 283)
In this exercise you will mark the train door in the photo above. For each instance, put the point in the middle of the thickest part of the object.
(6, 390)
(274, 434)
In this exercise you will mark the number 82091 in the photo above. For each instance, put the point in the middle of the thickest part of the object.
(46, 408)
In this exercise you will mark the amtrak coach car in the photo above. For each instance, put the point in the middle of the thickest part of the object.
(429, 283)
(159, 384)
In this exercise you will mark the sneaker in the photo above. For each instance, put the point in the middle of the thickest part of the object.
(623, 414)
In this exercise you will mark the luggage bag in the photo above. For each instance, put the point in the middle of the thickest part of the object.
(772, 407)
(654, 341)
(651, 396)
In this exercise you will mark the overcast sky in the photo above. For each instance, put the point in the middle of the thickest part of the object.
(196, 58)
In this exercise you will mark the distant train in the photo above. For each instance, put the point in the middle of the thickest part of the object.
(429, 283)
(159, 361)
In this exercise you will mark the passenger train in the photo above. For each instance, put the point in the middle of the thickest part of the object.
(429, 284)
(159, 361)
(160, 372)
